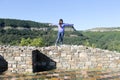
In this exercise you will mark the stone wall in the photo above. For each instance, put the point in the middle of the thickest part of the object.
(66, 57)
(18, 58)
(81, 57)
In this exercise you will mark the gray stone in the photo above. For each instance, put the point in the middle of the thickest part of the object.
(66, 57)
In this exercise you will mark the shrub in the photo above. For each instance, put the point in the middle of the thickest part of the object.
(32, 42)
(25, 42)
(37, 42)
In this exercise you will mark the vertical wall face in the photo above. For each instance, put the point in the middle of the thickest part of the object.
(31, 59)
(80, 57)
(26, 59)
(19, 58)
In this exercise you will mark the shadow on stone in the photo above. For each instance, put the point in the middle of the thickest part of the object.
(3, 65)
(41, 62)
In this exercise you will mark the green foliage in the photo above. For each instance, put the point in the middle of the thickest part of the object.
(21, 23)
(32, 42)
(37, 42)
(93, 45)
(25, 42)
(86, 43)
(105, 40)
(26, 37)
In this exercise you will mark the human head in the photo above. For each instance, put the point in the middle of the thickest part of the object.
(60, 21)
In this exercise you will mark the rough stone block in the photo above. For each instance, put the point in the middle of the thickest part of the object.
(14, 66)
(17, 58)
(88, 63)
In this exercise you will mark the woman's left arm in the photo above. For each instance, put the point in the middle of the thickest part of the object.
(68, 24)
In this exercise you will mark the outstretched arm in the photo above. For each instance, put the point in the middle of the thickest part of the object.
(68, 24)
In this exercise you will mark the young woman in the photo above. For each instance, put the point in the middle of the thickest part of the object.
(61, 31)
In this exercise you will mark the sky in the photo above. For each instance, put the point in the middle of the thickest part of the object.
(84, 14)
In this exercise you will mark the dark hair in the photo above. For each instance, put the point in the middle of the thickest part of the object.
(61, 20)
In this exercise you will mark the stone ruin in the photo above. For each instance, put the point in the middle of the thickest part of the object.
(26, 59)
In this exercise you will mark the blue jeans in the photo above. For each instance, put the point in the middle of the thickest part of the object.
(60, 38)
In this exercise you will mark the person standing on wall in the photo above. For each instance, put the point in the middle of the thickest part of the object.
(61, 30)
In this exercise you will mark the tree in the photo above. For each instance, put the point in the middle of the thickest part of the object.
(25, 42)
(32, 42)
(37, 42)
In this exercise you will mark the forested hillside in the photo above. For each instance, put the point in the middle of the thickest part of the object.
(104, 29)
(21, 23)
(14, 37)
(28, 37)
(31, 25)
(106, 40)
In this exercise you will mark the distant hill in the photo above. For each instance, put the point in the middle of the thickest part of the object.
(30, 25)
(25, 32)
(14, 32)
(103, 29)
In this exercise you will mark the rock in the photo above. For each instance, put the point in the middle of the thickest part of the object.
(3, 64)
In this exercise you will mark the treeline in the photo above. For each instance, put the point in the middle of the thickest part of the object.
(14, 36)
(28, 37)
(21, 37)
(21, 23)
(106, 40)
